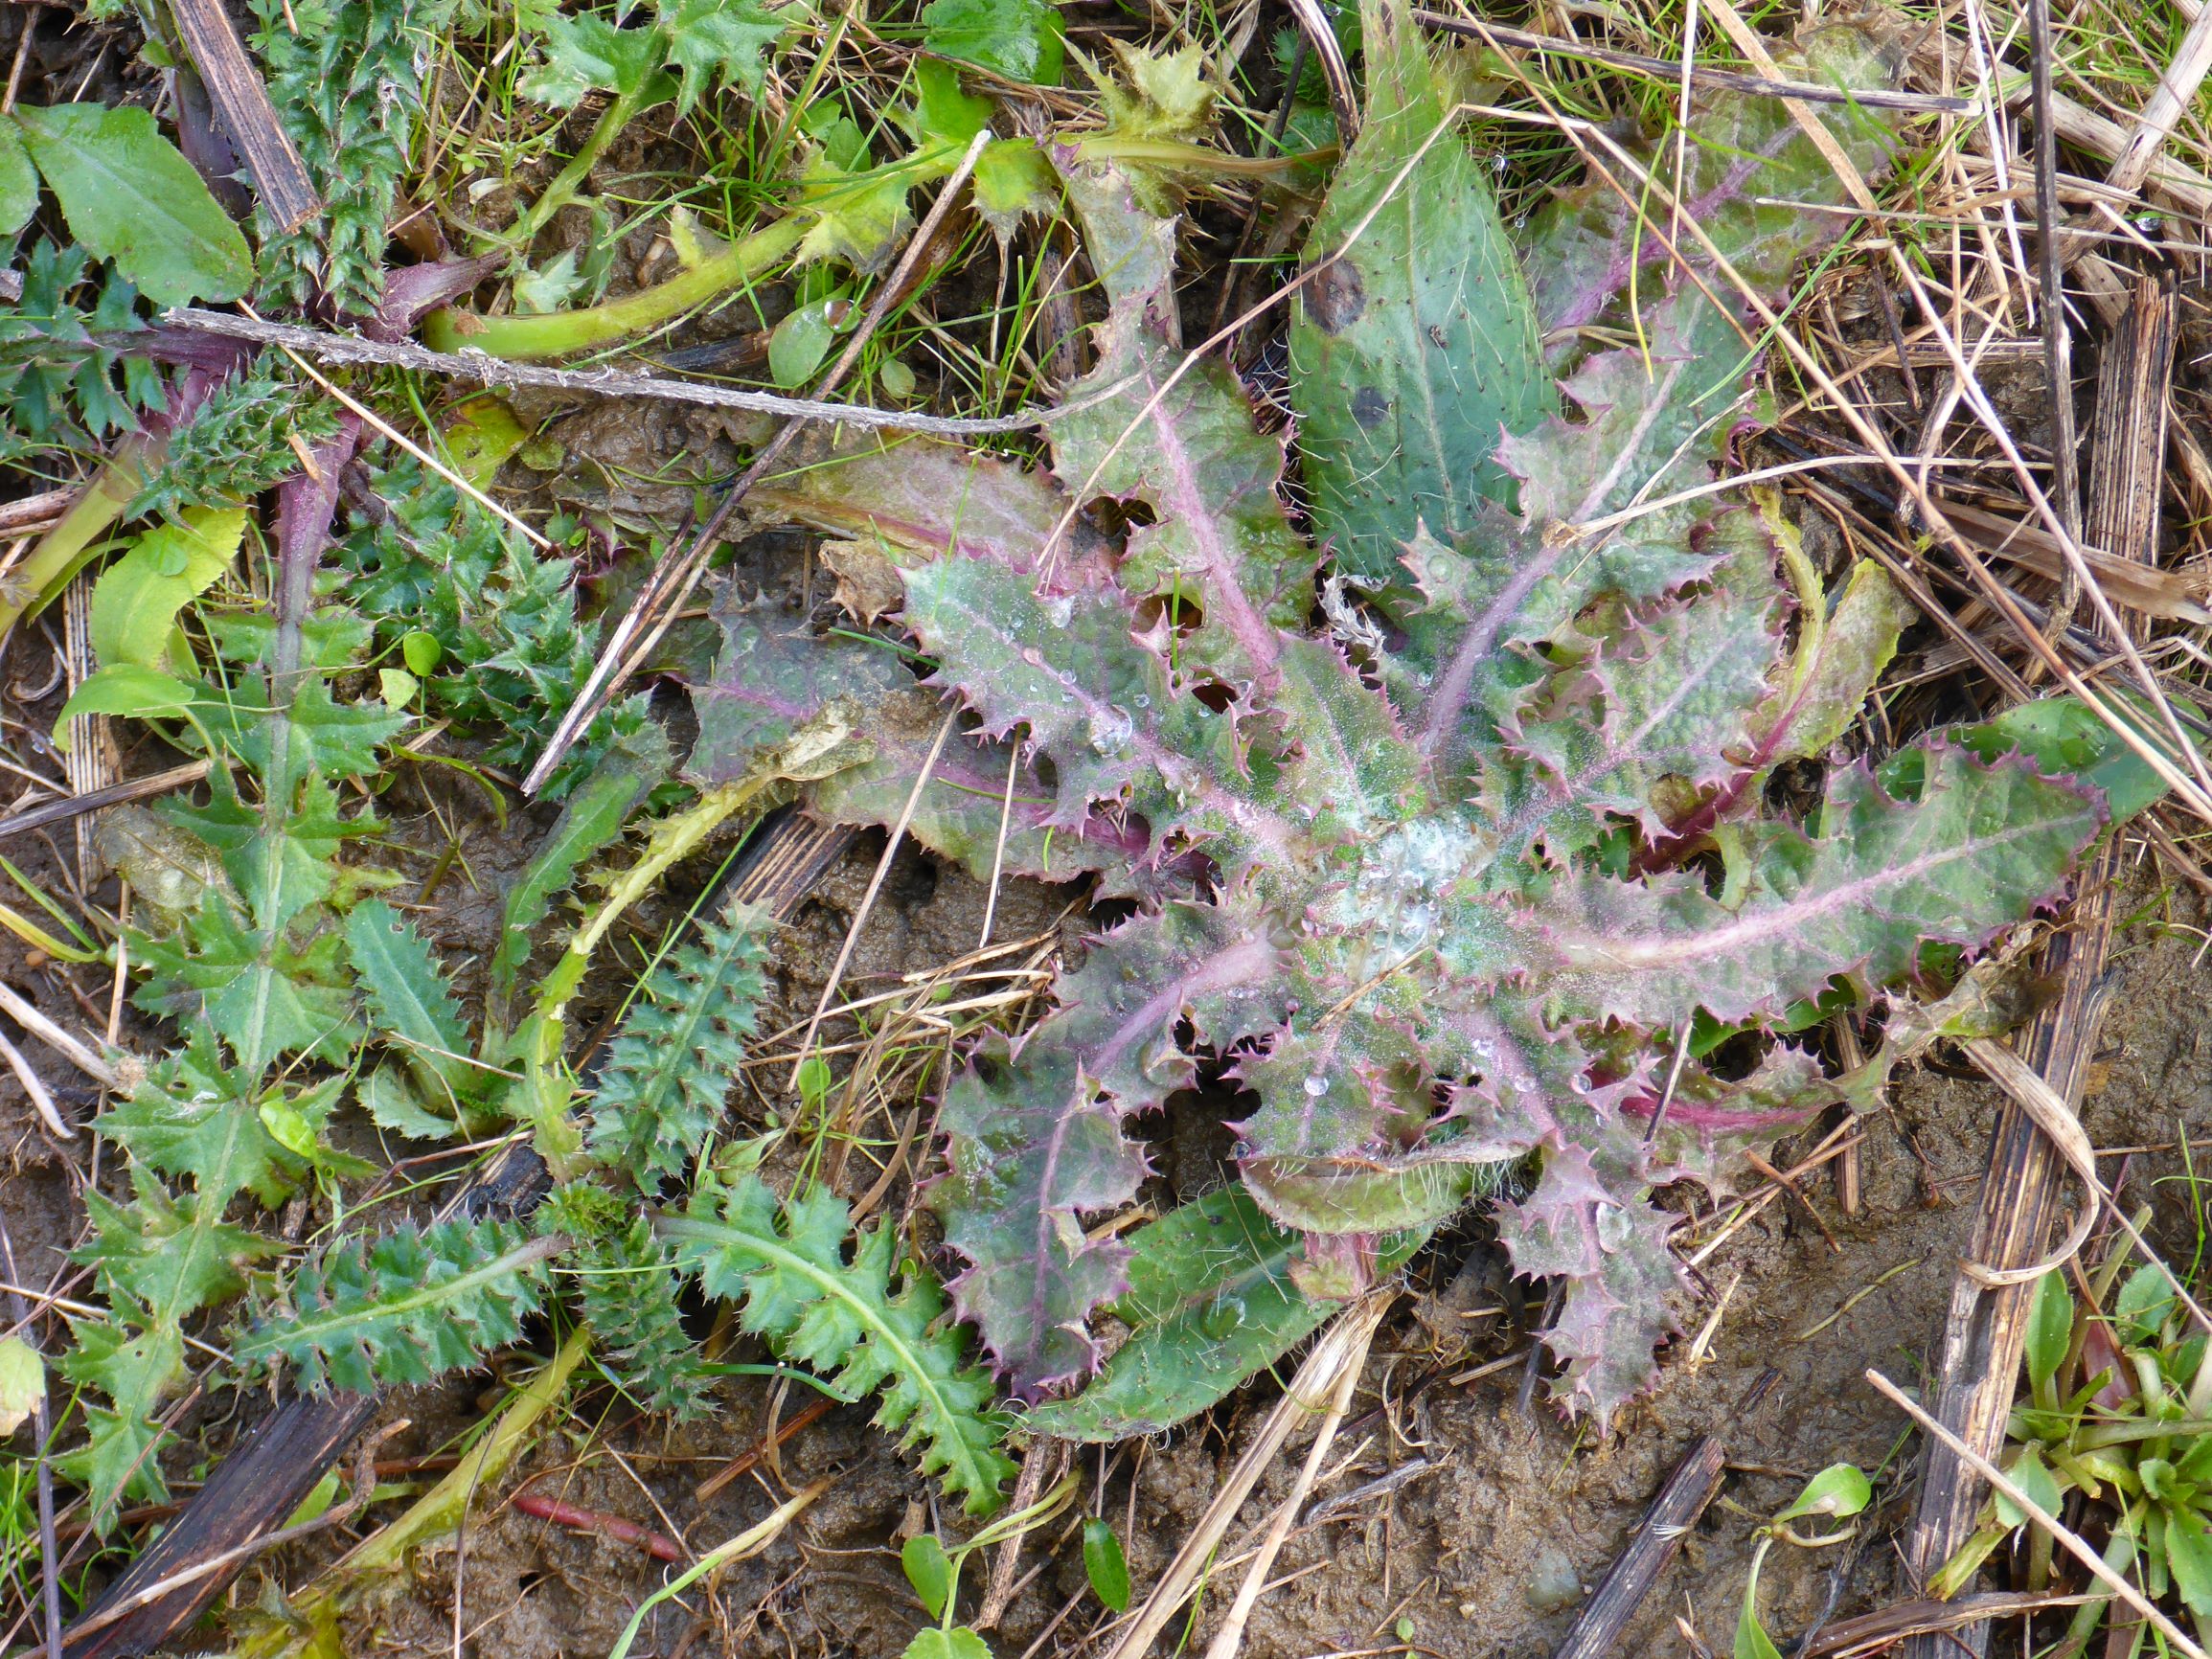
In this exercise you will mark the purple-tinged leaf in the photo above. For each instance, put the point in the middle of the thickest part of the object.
(1189, 453)
(916, 498)
(1748, 164)
(1607, 1246)
(773, 677)
(1671, 700)
(1839, 657)
(1035, 1134)
(1646, 437)
(1981, 847)
(1126, 734)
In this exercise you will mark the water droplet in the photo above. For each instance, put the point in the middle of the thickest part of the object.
(1316, 1086)
(1484, 1048)
(1223, 1317)
(1527, 1084)
(1111, 730)
(1060, 612)
(1142, 701)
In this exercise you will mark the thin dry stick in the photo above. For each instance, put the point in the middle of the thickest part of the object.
(1747, 42)
(1343, 1345)
(2051, 1113)
(1231, 1635)
(674, 579)
(2058, 338)
(1725, 79)
(998, 849)
(498, 374)
(868, 899)
(131, 789)
(2199, 792)
(2042, 1517)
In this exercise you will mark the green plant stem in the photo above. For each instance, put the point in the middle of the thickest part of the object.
(563, 189)
(559, 333)
(542, 1098)
(62, 551)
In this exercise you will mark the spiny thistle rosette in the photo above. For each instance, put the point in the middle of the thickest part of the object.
(1442, 923)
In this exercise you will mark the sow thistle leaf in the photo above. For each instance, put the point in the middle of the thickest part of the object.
(409, 997)
(137, 1373)
(710, 43)
(261, 993)
(171, 1254)
(674, 1061)
(1219, 536)
(193, 1116)
(784, 1269)
(405, 1308)
(1983, 847)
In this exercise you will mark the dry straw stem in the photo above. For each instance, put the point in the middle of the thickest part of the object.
(2050, 1113)
(2114, 1581)
(1341, 1353)
(1846, 171)
(1231, 1635)
(867, 904)
(24, 1014)
(2176, 89)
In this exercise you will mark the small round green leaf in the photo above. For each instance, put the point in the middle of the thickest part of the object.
(929, 1571)
(1103, 1564)
(1837, 1491)
(422, 652)
(799, 344)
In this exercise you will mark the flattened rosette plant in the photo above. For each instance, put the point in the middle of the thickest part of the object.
(1445, 813)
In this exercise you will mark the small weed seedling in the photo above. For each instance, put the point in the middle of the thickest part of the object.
(1835, 1494)
(2118, 1410)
